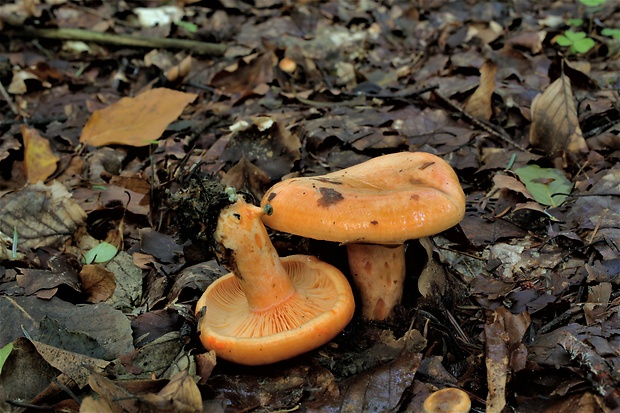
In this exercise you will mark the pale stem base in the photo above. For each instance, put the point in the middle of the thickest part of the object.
(378, 272)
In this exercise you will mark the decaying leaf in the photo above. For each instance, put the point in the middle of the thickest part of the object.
(135, 121)
(75, 366)
(433, 276)
(95, 330)
(39, 159)
(128, 279)
(555, 125)
(24, 375)
(497, 363)
(97, 282)
(479, 103)
(42, 215)
(180, 394)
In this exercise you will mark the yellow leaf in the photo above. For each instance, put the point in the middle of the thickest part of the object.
(135, 121)
(39, 160)
(479, 103)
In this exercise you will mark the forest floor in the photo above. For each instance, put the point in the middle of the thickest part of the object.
(109, 110)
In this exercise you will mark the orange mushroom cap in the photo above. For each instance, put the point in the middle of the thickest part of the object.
(448, 400)
(268, 308)
(386, 200)
(322, 306)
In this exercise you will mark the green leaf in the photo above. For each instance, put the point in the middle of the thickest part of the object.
(579, 42)
(583, 45)
(615, 33)
(592, 3)
(103, 252)
(563, 40)
(4, 354)
(575, 22)
(575, 36)
(547, 185)
(190, 27)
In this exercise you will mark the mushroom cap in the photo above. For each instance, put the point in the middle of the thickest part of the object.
(448, 400)
(386, 200)
(321, 307)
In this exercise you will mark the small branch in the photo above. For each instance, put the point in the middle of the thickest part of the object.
(8, 99)
(121, 40)
(494, 130)
(598, 372)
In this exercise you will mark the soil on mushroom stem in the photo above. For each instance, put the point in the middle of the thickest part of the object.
(195, 209)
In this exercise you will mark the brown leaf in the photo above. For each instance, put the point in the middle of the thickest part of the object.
(247, 177)
(94, 330)
(112, 397)
(479, 103)
(42, 215)
(72, 364)
(24, 374)
(39, 159)
(513, 184)
(555, 125)
(181, 395)
(496, 362)
(33, 280)
(135, 121)
(378, 390)
(248, 76)
(97, 283)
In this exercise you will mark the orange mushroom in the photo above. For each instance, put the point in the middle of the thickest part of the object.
(268, 308)
(448, 400)
(373, 208)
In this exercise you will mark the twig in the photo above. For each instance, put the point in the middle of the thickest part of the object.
(120, 40)
(494, 130)
(8, 99)
(598, 372)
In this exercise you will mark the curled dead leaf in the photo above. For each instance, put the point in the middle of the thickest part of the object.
(555, 125)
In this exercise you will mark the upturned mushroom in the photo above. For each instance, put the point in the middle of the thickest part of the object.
(372, 208)
(268, 308)
(448, 400)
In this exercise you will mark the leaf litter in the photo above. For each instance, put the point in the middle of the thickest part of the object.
(518, 305)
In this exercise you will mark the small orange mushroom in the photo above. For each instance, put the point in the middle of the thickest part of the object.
(268, 308)
(373, 208)
(448, 400)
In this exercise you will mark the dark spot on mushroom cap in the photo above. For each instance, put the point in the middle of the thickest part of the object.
(414, 197)
(271, 196)
(329, 197)
(374, 222)
(426, 165)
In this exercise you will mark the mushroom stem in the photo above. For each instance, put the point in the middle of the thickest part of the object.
(248, 253)
(378, 272)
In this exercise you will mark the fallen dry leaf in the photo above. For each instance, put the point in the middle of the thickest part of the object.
(479, 103)
(42, 215)
(496, 361)
(39, 159)
(75, 366)
(95, 330)
(97, 282)
(25, 374)
(555, 125)
(135, 121)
